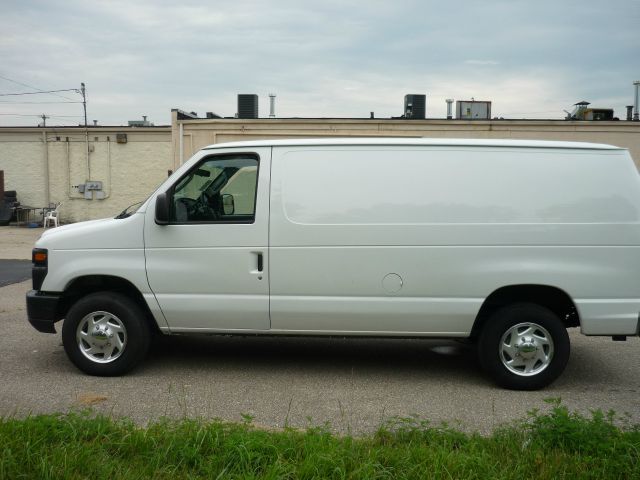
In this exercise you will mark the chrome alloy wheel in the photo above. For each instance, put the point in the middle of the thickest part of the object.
(101, 337)
(526, 349)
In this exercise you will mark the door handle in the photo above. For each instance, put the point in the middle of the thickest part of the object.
(257, 266)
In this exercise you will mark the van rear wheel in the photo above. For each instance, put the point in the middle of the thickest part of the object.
(524, 346)
(105, 334)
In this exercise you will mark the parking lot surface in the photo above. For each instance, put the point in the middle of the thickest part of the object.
(353, 385)
(14, 271)
(16, 242)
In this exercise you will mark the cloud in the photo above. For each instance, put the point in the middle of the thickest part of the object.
(326, 58)
(482, 62)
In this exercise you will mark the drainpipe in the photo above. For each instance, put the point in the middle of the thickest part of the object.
(69, 191)
(180, 143)
(108, 167)
(47, 187)
(86, 140)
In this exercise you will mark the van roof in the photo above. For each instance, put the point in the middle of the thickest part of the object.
(435, 142)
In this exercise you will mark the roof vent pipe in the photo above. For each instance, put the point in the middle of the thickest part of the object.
(449, 108)
(635, 103)
(272, 105)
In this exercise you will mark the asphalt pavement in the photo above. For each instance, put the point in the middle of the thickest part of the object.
(14, 271)
(351, 385)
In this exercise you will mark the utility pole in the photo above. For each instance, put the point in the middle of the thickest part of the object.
(44, 120)
(83, 91)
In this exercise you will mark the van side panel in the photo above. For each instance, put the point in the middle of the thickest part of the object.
(414, 239)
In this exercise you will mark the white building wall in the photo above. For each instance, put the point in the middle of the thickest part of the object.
(23, 165)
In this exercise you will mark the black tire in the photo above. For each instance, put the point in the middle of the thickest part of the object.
(510, 372)
(125, 324)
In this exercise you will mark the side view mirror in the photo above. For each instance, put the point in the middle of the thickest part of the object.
(162, 209)
(228, 205)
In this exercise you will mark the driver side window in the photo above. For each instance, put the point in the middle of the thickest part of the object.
(219, 189)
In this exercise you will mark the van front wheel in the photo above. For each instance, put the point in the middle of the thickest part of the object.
(524, 346)
(105, 334)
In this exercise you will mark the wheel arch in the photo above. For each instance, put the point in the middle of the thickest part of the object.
(87, 284)
(553, 298)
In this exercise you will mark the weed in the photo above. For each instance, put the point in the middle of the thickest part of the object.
(558, 444)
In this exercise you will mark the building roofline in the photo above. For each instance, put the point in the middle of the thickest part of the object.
(409, 122)
(78, 127)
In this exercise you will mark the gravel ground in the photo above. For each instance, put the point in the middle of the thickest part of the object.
(16, 242)
(353, 384)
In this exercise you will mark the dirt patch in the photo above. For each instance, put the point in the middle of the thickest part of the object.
(16, 242)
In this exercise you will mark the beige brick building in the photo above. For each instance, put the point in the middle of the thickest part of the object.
(192, 135)
(46, 164)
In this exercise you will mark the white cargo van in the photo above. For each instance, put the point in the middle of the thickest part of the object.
(505, 243)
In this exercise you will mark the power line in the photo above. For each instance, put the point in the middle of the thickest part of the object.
(37, 93)
(18, 83)
(66, 122)
(81, 91)
(30, 86)
(33, 103)
(33, 115)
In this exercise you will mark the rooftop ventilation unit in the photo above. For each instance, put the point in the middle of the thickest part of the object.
(473, 110)
(449, 108)
(272, 105)
(247, 105)
(636, 102)
(415, 106)
(140, 123)
(582, 111)
(182, 115)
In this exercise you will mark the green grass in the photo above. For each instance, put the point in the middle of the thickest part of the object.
(558, 444)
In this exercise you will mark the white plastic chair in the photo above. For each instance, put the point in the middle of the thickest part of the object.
(51, 216)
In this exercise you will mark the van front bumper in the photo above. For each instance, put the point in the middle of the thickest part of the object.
(42, 310)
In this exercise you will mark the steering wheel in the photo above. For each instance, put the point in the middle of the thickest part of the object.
(201, 209)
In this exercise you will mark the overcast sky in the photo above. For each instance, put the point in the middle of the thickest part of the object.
(328, 58)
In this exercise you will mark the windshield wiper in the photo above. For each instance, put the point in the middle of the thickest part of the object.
(126, 213)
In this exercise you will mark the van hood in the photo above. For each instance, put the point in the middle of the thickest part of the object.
(106, 233)
(73, 227)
